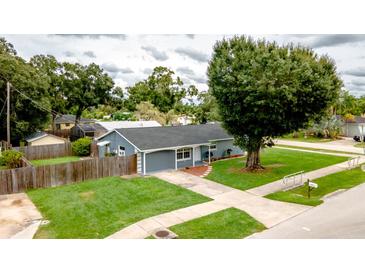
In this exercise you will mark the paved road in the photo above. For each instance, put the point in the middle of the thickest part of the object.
(335, 145)
(342, 216)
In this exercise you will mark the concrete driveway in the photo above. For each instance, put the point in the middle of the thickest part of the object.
(340, 217)
(19, 218)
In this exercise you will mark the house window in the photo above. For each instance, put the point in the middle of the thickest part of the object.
(213, 147)
(67, 124)
(183, 154)
(121, 151)
(58, 126)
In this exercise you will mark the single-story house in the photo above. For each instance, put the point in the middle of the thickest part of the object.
(171, 147)
(42, 138)
(354, 127)
(67, 121)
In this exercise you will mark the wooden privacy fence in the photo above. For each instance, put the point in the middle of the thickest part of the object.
(45, 151)
(22, 179)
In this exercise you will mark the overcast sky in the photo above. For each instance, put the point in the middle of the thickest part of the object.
(130, 58)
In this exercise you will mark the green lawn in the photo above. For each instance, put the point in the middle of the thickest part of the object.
(328, 184)
(230, 223)
(361, 145)
(98, 208)
(301, 138)
(277, 163)
(53, 161)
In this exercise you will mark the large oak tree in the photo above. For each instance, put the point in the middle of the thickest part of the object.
(265, 90)
(85, 86)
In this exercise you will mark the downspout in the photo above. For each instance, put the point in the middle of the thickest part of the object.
(175, 159)
(193, 149)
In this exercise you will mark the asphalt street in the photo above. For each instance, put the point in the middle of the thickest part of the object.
(340, 217)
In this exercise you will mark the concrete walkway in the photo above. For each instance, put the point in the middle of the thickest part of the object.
(268, 212)
(335, 145)
(311, 175)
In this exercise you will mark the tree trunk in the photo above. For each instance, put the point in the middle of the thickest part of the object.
(78, 116)
(253, 160)
(54, 122)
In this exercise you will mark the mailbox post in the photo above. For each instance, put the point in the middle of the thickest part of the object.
(311, 186)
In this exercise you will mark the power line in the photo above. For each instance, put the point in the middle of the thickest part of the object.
(53, 112)
(2, 109)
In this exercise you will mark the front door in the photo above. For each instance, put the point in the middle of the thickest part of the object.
(197, 154)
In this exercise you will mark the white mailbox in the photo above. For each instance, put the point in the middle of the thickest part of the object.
(313, 185)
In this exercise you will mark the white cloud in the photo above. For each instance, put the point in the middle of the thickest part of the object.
(155, 53)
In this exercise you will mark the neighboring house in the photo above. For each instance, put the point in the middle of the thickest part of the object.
(67, 121)
(174, 147)
(43, 138)
(355, 127)
(86, 130)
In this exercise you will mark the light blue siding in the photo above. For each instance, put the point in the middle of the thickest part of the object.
(221, 151)
(115, 140)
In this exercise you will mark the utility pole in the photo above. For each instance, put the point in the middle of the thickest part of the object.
(8, 113)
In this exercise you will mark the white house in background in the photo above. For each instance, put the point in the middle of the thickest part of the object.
(185, 120)
(355, 127)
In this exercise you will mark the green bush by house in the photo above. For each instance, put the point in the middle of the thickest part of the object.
(11, 159)
(81, 147)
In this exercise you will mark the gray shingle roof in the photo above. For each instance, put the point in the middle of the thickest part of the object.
(69, 118)
(91, 127)
(173, 136)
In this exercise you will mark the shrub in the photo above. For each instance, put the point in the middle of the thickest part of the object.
(11, 158)
(81, 147)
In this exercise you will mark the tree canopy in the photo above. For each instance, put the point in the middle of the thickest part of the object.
(25, 116)
(162, 89)
(85, 86)
(349, 104)
(52, 70)
(264, 90)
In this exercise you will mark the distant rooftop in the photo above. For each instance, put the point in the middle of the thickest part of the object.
(70, 118)
(128, 124)
(357, 119)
